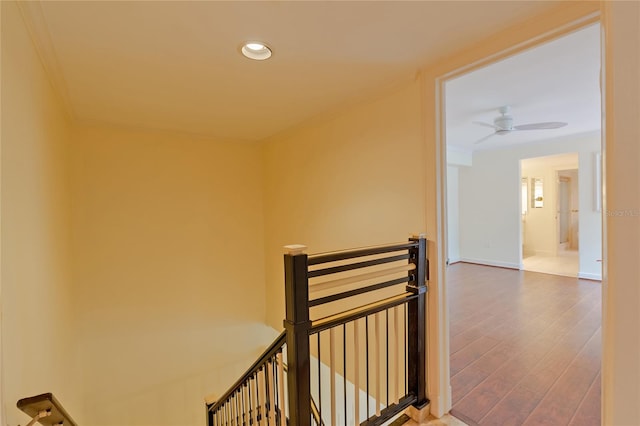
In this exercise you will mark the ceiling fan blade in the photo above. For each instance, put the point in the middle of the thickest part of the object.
(484, 139)
(540, 126)
(480, 123)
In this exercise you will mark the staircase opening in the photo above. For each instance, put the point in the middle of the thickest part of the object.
(353, 346)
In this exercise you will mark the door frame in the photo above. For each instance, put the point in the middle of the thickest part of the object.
(564, 20)
(559, 180)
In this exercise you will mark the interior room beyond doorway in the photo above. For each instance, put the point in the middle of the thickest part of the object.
(550, 214)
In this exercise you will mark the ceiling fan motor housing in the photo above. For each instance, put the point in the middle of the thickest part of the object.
(504, 123)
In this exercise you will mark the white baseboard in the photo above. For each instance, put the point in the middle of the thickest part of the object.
(453, 260)
(435, 406)
(588, 276)
(491, 263)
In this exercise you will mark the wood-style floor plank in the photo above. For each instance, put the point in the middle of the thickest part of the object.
(463, 382)
(588, 414)
(513, 409)
(525, 347)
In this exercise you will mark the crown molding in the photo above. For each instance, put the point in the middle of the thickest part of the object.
(36, 24)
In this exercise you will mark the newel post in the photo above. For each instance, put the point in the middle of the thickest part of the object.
(297, 325)
(417, 321)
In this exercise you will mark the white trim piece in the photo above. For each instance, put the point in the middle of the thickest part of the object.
(589, 276)
(356, 370)
(294, 249)
(332, 370)
(453, 260)
(396, 336)
(234, 407)
(376, 361)
(486, 262)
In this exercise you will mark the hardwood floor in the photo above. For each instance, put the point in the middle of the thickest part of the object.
(525, 347)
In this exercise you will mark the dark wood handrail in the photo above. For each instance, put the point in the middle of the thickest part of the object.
(268, 353)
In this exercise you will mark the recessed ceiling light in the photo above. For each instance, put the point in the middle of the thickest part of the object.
(256, 50)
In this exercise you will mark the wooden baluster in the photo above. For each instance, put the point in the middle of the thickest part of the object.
(233, 408)
(332, 375)
(396, 345)
(236, 398)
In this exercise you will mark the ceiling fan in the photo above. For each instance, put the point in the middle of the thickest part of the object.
(503, 124)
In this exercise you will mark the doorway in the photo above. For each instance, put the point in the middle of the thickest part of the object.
(567, 210)
(550, 214)
(486, 379)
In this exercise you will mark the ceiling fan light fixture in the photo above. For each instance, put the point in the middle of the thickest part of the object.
(504, 123)
(256, 50)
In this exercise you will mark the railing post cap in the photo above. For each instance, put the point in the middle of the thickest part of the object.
(421, 235)
(294, 249)
(211, 399)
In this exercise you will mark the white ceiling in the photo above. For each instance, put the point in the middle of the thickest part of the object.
(558, 81)
(176, 66)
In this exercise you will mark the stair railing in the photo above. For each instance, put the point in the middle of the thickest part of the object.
(258, 397)
(354, 342)
(367, 340)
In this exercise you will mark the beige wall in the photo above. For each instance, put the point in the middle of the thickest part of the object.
(3, 417)
(491, 222)
(132, 269)
(349, 180)
(37, 306)
(169, 281)
(304, 183)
